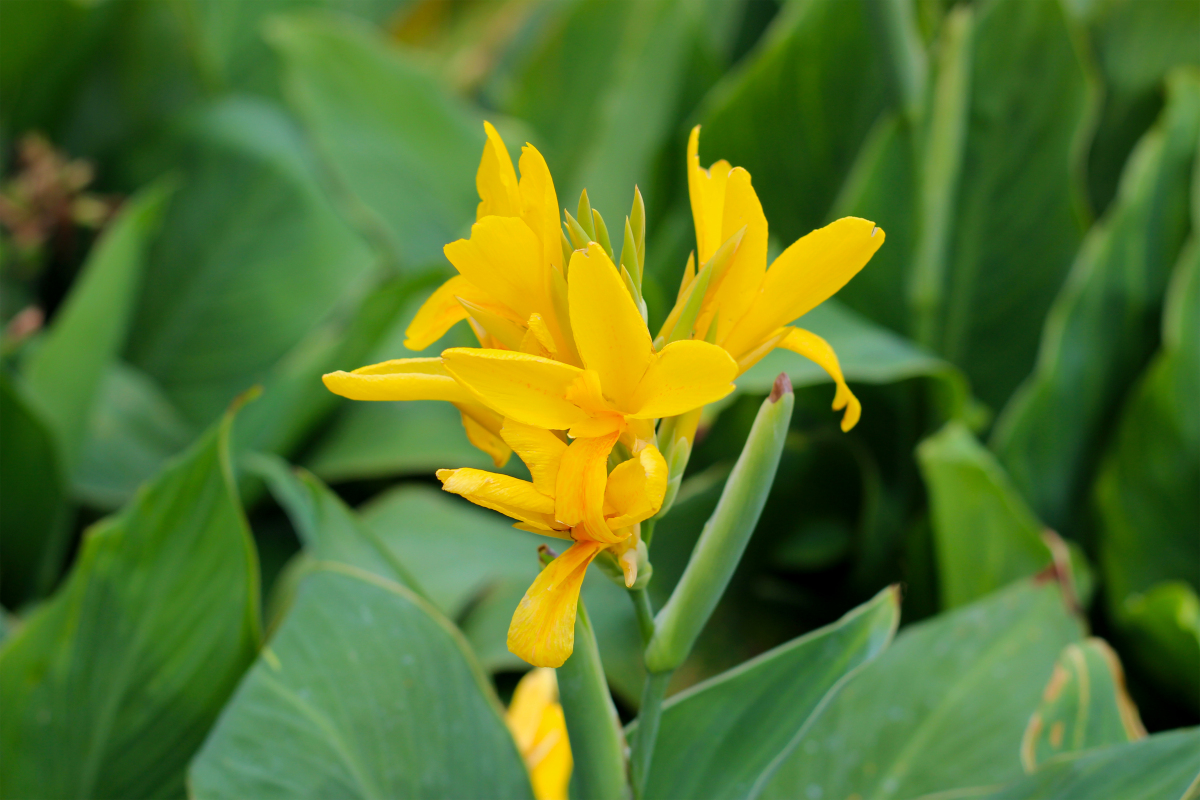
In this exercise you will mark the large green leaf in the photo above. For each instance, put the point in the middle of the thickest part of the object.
(244, 269)
(366, 691)
(400, 146)
(724, 738)
(1084, 706)
(1013, 103)
(109, 688)
(1101, 330)
(33, 512)
(985, 536)
(799, 107)
(943, 708)
(1146, 492)
(1162, 767)
(64, 374)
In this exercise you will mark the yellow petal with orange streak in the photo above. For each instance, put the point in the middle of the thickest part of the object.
(609, 330)
(503, 258)
(542, 631)
(687, 374)
(540, 449)
(522, 387)
(510, 496)
(539, 206)
(817, 350)
(805, 275)
(399, 379)
(496, 180)
(579, 492)
(635, 489)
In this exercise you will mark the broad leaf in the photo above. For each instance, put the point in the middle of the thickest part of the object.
(366, 691)
(1101, 330)
(401, 146)
(108, 688)
(1162, 767)
(1084, 706)
(985, 536)
(724, 738)
(943, 708)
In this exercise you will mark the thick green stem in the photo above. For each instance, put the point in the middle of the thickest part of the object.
(593, 727)
(646, 733)
(645, 614)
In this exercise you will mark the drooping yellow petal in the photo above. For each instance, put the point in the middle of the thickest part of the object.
(440, 312)
(687, 374)
(399, 379)
(805, 275)
(706, 190)
(503, 258)
(816, 349)
(510, 496)
(541, 451)
(542, 631)
(579, 493)
(536, 720)
(496, 180)
(732, 294)
(609, 330)
(539, 205)
(482, 426)
(635, 489)
(526, 388)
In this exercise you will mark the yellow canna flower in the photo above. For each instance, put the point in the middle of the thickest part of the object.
(624, 383)
(535, 718)
(746, 307)
(572, 496)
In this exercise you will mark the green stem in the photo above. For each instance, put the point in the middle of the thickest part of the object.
(645, 614)
(646, 733)
(593, 727)
(648, 530)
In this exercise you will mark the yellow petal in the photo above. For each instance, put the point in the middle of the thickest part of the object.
(540, 449)
(804, 276)
(522, 387)
(539, 205)
(706, 190)
(497, 321)
(550, 761)
(536, 691)
(635, 489)
(496, 180)
(439, 313)
(482, 427)
(609, 330)
(542, 631)
(732, 295)
(510, 496)
(579, 493)
(816, 349)
(400, 379)
(687, 374)
(503, 258)
(598, 425)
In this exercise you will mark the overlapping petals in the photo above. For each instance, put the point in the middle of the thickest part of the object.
(536, 720)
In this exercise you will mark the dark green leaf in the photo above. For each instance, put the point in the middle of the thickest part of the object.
(109, 688)
(365, 692)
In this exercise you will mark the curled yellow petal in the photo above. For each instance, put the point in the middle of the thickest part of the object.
(522, 387)
(816, 349)
(805, 275)
(510, 496)
(536, 720)
(687, 374)
(635, 489)
(496, 180)
(483, 430)
(540, 449)
(399, 379)
(503, 258)
(579, 492)
(439, 313)
(542, 631)
(609, 330)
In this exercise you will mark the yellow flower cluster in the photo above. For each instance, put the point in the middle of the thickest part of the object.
(567, 374)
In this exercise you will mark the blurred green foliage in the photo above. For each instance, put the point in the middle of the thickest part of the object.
(255, 193)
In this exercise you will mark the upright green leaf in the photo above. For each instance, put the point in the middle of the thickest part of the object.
(1101, 329)
(1162, 767)
(1085, 705)
(724, 738)
(1014, 207)
(65, 372)
(942, 709)
(366, 691)
(985, 536)
(244, 269)
(401, 147)
(109, 688)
